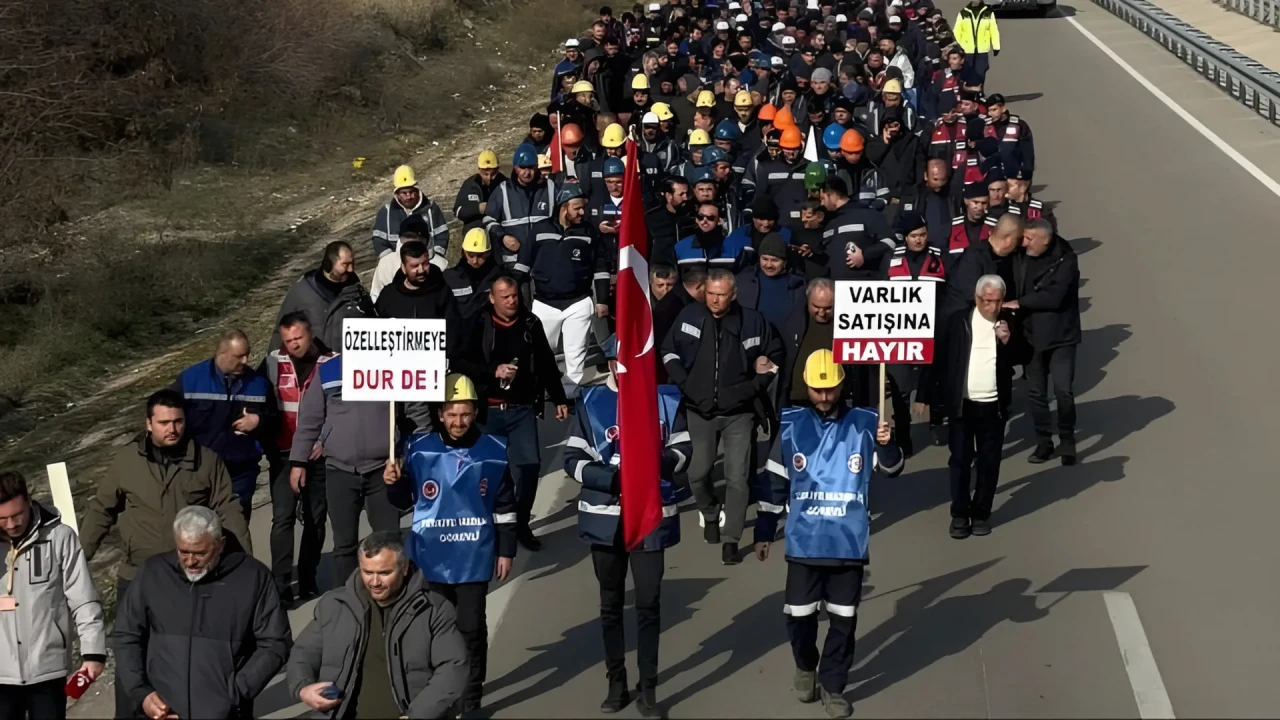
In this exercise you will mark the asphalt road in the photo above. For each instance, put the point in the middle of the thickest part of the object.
(1172, 505)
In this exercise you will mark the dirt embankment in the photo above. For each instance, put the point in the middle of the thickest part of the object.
(109, 300)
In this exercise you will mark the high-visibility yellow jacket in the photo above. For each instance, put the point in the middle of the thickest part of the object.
(976, 29)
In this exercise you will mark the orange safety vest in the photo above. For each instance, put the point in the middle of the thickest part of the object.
(289, 394)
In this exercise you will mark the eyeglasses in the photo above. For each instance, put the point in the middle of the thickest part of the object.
(709, 218)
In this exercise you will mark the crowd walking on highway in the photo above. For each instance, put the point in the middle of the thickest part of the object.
(783, 146)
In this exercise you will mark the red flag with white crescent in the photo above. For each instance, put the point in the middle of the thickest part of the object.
(639, 431)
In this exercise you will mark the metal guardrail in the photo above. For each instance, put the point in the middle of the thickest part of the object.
(1240, 76)
(1266, 12)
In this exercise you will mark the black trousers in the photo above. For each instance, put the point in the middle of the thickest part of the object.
(124, 707)
(1060, 364)
(348, 494)
(39, 701)
(977, 439)
(903, 381)
(469, 601)
(839, 589)
(611, 572)
(311, 506)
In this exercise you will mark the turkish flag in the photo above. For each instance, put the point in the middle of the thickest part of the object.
(639, 431)
(556, 153)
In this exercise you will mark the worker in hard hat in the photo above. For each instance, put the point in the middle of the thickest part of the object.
(822, 465)
(472, 276)
(890, 97)
(613, 144)
(518, 210)
(870, 189)
(604, 211)
(639, 103)
(570, 65)
(691, 159)
(728, 137)
(782, 177)
(667, 120)
(473, 195)
(750, 139)
(570, 282)
(464, 517)
(591, 456)
(575, 152)
(409, 200)
(704, 111)
(727, 196)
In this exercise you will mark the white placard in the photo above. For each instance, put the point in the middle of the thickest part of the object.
(884, 321)
(391, 360)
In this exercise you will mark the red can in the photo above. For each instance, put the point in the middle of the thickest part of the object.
(77, 684)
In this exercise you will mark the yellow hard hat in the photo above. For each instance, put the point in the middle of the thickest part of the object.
(892, 85)
(742, 99)
(706, 99)
(488, 160)
(582, 86)
(699, 137)
(663, 111)
(458, 387)
(821, 371)
(405, 177)
(476, 241)
(640, 82)
(614, 136)
(544, 162)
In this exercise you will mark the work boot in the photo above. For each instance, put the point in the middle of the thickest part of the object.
(835, 705)
(960, 528)
(528, 540)
(647, 701)
(1067, 449)
(710, 528)
(618, 697)
(729, 554)
(980, 527)
(1042, 454)
(806, 685)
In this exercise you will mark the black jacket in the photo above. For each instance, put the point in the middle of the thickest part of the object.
(433, 300)
(901, 162)
(962, 278)
(943, 382)
(749, 289)
(853, 224)
(713, 363)
(1049, 297)
(470, 286)
(208, 648)
(538, 375)
(665, 312)
(473, 192)
(665, 230)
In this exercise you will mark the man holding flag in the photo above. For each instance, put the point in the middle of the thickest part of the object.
(623, 420)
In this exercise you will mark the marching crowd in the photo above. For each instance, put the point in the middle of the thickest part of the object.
(782, 147)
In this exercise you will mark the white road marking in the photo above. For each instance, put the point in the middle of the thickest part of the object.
(1139, 663)
(1190, 119)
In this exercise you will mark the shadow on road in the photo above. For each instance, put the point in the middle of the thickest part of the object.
(1022, 97)
(582, 647)
(929, 631)
(1084, 244)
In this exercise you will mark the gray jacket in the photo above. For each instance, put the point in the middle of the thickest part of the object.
(52, 585)
(324, 310)
(354, 434)
(427, 657)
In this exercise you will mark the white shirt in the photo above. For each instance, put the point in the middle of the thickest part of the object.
(980, 386)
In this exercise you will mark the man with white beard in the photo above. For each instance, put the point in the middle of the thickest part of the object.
(200, 631)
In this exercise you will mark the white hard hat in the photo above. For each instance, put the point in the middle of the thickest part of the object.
(775, 61)
(779, 27)
(788, 40)
(841, 18)
(571, 43)
(722, 25)
(654, 7)
(650, 118)
(734, 6)
(741, 18)
(813, 5)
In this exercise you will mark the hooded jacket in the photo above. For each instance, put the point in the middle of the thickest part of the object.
(143, 494)
(324, 307)
(208, 647)
(432, 300)
(425, 652)
(53, 587)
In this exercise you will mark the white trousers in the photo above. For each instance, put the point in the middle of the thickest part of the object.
(574, 325)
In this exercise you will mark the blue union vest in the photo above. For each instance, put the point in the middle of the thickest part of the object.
(455, 493)
(830, 464)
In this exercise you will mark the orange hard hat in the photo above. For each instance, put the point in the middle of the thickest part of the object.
(851, 141)
(767, 113)
(571, 134)
(791, 138)
(783, 119)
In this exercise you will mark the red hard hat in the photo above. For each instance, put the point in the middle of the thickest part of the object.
(571, 134)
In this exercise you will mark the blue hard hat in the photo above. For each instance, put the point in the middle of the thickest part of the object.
(703, 174)
(711, 156)
(728, 130)
(526, 156)
(831, 136)
(613, 167)
(569, 191)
